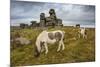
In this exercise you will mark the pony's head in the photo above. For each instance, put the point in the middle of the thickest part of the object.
(37, 53)
(38, 48)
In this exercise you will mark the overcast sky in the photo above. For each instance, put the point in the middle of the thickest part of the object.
(24, 12)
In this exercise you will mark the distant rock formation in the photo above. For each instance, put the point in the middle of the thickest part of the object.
(52, 20)
(22, 25)
(78, 25)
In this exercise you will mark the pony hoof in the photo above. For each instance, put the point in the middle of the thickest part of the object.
(63, 48)
(58, 50)
(46, 52)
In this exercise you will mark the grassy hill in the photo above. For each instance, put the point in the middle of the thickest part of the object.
(76, 49)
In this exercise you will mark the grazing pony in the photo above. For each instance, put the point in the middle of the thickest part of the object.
(46, 37)
(83, 33)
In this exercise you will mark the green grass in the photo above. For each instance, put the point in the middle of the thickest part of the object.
(76, 49)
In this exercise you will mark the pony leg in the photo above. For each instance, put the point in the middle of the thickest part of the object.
(63, 46)
(46, 47)
(42, 46)
(85, 36)
(59, 46)
(79, 35)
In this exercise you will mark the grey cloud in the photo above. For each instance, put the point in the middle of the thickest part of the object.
(67, 12)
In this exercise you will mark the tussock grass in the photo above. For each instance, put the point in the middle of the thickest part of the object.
(76, 49)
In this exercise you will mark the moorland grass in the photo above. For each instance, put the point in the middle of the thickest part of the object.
(76, 49)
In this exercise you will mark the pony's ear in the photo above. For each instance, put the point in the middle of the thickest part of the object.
(37, 54)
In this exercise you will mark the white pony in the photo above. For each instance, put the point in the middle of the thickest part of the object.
(46, 37)
(82, 33)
